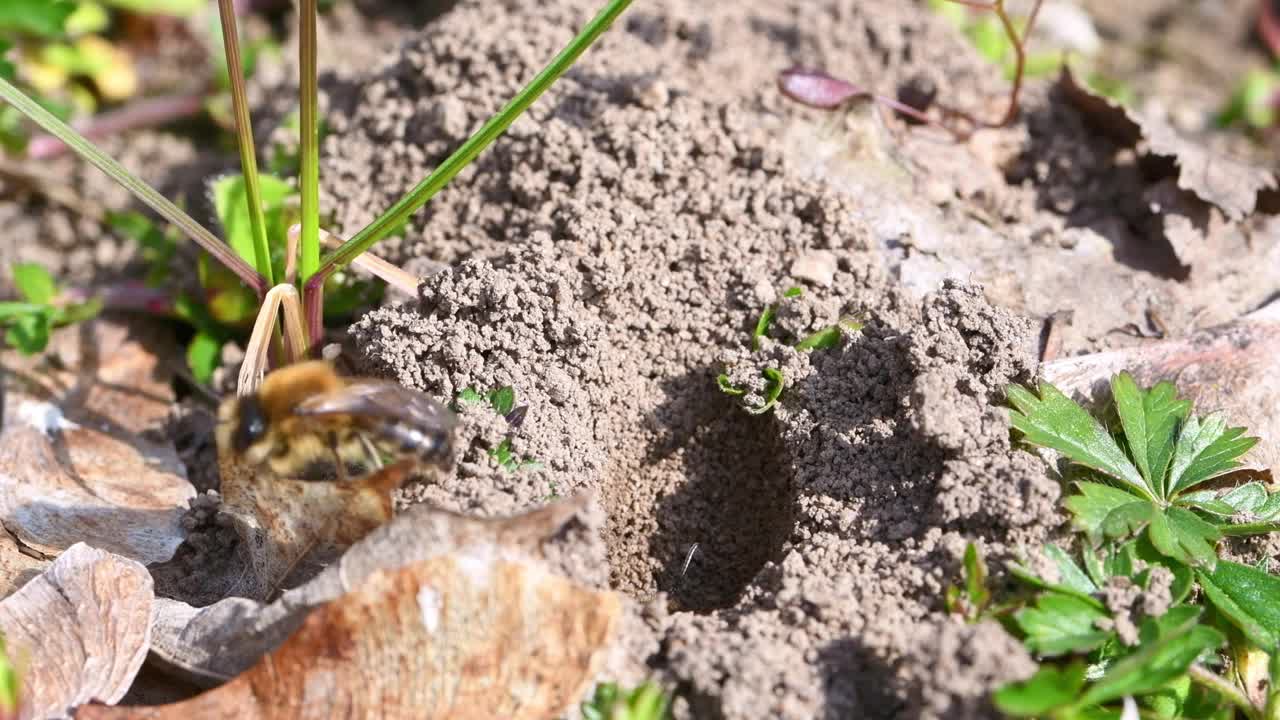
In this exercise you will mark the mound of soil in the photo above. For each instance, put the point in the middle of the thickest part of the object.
(612, 255)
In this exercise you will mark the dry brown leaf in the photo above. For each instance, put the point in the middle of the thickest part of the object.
(1230, 184)
(210, 645)
(79, 631)
(1231, 368)
(459, 636)
(74, 465)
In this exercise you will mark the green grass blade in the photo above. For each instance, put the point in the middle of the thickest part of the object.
(244, 138)
(395, 216)
(144, 192)
(309, 172)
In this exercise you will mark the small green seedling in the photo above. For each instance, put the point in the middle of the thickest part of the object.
(42, 308)
(290, 300)
(971, 600)
(1143, 479)
(774, 379)
(502, 401)
(609, 702)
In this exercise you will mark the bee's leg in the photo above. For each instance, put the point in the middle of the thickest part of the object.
(372, 451)
(339, 465)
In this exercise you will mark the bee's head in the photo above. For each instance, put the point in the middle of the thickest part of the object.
(242, 422)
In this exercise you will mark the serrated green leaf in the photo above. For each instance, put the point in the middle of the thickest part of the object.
(1050, 688)
(1094, 503)
(503, 399)
(204, 354)
(1060, 624)
(1069, 573)
(1130, 518)
(29, 334)
(1022, 573)
(1094, 566)
(1156, 662)
(1194, 536)
(34, 283)
(1247, 597)
(1211, 505)
(42, 18)
(1055, 421)
(1206, 449)
(1150, 420)
(1247, 498)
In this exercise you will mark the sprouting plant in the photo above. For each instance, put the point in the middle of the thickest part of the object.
(9, 689)
(819, 89)
(290, 304)
(971, 600)
(610, 702)
(1117, 624)
(43, 307)
(1255, 102)
(774, 380)
(1143, 479)
(502, 400)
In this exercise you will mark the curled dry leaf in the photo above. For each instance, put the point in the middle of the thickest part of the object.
(1231, 368)
(456, 636)
(210, 645)
(79, 631)
(1232, 185)
(74, 462)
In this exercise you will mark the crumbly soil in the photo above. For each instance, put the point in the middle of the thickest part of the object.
(610, 256)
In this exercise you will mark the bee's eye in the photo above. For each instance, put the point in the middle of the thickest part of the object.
(253, 424)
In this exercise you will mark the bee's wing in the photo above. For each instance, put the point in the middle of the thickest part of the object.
(381, 400)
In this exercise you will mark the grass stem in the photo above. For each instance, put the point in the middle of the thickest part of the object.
(398, 213)
(144, 192)
(309, 173)
(244, 138)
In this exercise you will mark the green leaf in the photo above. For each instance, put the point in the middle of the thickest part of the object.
(762, 325)
(1169, 647)
(182, 8)
(1195, 537)
(1055, 421)
(727, 387)
(1247, 498)
(824, 339)
(1069, 574)
(772, 391)
(78, 312)
(1060, 624)
(42, 18)
(204, 354)
(29, 334)
(1025, 575)
(1206, 449)
(1150, 420)
(1130, 518)
(503, 400)
(1050, 688)
(34, 283)
(470, 396)
(975, 578)
(8, 683)
(502, 454)
(1247, 597)
(231, 203)
(793, 292)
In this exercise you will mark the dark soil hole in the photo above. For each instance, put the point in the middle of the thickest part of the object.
(726, 501)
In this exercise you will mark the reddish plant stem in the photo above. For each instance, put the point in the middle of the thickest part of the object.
(1269, 26)
(130, 296)
(1019, 51)
(148, 112)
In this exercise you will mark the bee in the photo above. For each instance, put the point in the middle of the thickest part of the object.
(307, 422)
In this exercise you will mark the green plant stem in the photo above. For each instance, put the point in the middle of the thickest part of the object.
(419, 195)
(1245, 529)
(144, 192)
(244, 138)
(309, 172)
(1208, 679)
